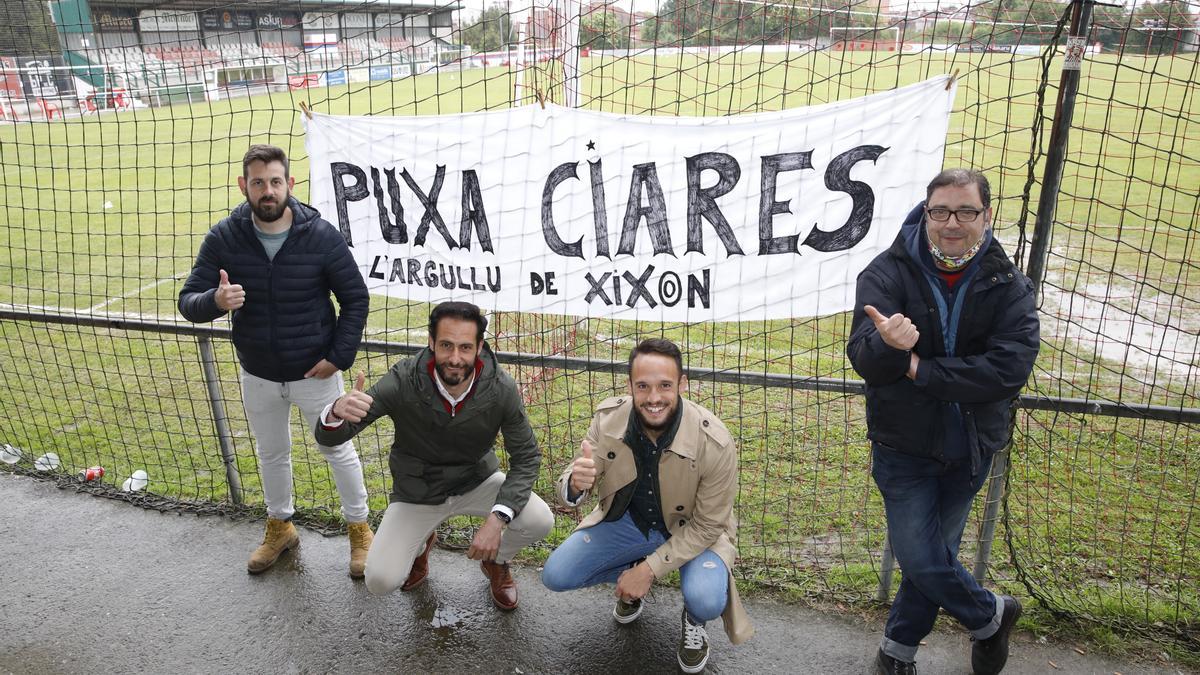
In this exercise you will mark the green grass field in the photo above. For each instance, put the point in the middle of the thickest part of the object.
(1101, 514)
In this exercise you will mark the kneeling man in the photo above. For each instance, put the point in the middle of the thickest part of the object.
(665, 473)
(447, 404)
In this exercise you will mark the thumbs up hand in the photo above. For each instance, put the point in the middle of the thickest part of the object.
(897, 331)
(229, 296)
(354, 405)
(583, 469)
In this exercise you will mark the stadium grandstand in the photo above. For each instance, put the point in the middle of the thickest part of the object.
(97, 54)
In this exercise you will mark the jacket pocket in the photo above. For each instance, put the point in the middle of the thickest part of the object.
(901, 416)
(410, 481)
(992, 424)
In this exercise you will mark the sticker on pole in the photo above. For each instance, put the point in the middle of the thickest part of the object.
(1076, 46)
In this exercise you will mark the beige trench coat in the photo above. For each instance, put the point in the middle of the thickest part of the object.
(698, 479)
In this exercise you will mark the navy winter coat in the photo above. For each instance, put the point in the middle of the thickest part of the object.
(995, 348)
(288, 323)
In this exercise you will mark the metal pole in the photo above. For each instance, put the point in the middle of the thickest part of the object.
(991, 513)
(517, 62)
(886, 567)
(570, 52)
(208, 361)
(1081, 19)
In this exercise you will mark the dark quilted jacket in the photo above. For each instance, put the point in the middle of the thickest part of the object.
(288, 323)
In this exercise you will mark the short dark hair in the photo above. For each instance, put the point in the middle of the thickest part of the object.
(265, 154)
(961, 178)
(457, 310)
(657, 346)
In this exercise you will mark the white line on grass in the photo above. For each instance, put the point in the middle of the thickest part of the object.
(158, 318)
(138, 291)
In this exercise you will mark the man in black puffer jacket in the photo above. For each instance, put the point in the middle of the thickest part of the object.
(945, 333)
(272, 264)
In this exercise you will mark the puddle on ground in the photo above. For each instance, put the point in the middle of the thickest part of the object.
(447, 617)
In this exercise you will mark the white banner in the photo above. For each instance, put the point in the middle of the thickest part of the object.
(565, 211)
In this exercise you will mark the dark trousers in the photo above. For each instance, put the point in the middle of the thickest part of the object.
(927, 504)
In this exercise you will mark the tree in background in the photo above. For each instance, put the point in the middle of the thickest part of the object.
(1109, 25)
(603, 30)
(949, 31)
(1035, 21)
(794, 21)
(651, 31)
(791, 23)
(698, 22)
(491, 31)
(1160, 28)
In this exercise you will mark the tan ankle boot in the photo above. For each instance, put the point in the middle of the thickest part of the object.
(360, 543)
(281, 536)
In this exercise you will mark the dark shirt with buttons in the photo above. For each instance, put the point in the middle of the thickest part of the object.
(645, 505)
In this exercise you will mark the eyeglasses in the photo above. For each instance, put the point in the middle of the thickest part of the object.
(963, 215)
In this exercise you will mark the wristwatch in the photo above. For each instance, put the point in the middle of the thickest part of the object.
(502, 516)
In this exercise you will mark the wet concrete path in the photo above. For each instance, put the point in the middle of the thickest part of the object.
(93, 585)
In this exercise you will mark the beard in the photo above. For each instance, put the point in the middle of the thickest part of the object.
(451, 377)
(268, 212)
(647, 425)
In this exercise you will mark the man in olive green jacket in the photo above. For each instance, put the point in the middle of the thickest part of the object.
(664, 470)
(447, 404)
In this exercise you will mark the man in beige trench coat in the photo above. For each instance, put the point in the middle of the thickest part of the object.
(665, 473)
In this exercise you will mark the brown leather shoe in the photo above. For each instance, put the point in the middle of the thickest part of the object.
(504, 589)
(420, 567)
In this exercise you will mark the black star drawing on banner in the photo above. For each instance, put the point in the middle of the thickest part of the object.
(591, 145)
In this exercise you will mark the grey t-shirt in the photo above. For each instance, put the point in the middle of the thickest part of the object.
(271, 242)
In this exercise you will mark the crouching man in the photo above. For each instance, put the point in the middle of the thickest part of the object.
(447, 405)
(665, 473)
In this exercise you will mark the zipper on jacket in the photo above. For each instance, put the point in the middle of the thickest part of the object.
(271, 285)
(271, 306)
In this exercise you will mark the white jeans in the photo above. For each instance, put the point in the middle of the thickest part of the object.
(405, 527)
(268, 409)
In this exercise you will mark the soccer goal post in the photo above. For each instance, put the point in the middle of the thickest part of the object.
(866, 38)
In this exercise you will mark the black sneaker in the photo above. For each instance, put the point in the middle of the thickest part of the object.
(693, 647)
(989, 655)
(627, 612)
(886, 665)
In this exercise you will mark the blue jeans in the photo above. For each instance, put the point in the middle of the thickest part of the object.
(601, 553)
(927, 504)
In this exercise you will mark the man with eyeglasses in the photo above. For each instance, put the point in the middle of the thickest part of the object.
(945, 334)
